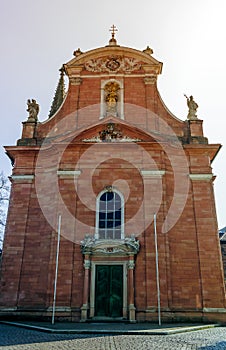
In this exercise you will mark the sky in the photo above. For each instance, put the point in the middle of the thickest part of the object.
(189, 37)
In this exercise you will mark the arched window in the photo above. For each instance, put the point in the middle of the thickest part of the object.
(110, 215)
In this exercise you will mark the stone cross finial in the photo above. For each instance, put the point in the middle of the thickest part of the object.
(113, 30)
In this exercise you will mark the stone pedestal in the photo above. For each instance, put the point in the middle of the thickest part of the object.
(28, 129)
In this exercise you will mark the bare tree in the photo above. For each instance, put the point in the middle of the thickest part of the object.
(4, 201)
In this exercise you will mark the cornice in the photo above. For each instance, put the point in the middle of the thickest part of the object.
(201, 177)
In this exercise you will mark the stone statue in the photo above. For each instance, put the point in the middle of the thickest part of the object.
(192, 108)
(111, 97)
(111, 133)
(111, 100)
(32, 109)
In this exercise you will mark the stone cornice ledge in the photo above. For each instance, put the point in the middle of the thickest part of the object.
(60, 309)
(22, 177)
(200, 177)
(69, 173)
(213, 309)
(152, 173)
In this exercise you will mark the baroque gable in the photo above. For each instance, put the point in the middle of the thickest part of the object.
(113, 59)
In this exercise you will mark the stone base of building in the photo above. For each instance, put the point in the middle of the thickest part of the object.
(67, 314)
(64, 314)
(205, 315)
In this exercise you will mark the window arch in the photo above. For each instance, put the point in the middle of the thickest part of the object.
(110, 215)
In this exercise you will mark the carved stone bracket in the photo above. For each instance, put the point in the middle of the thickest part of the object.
(75, 80)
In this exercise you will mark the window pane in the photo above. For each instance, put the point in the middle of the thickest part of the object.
(103, 198)
(117, 223)
(101, 224)
(102, 206)
(110, 206)
(102, 216)
(118, 214)
(101, 234)
(110, 216)
(109, 234)
(109, 224)
(110, 196)
(117, 234)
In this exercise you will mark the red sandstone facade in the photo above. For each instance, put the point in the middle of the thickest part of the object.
(110, 158)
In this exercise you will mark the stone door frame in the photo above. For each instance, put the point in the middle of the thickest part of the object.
(93, 284)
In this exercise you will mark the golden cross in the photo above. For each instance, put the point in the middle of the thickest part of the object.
(113, 30)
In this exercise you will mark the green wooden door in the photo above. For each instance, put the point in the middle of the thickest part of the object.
(109, 290)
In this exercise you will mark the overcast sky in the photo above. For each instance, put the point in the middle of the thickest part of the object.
(189, 37)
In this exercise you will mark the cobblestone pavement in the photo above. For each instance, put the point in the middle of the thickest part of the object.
(23, 339)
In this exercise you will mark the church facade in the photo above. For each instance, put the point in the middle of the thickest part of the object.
(124, 189)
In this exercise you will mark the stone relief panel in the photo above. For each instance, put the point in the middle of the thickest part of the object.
(113, 64)
(111, 133)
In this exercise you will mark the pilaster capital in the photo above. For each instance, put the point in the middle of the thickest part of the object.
(87, 264)
(131, 265)
(150, 80)
(75, 80)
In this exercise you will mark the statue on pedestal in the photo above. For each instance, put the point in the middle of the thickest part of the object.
(192, 108)
(32, 109)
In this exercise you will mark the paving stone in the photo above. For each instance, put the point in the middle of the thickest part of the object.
(15, 338)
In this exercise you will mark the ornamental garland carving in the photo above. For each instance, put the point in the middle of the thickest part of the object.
(111, 133)
(123, 139)
(90, 245)
(113, 64)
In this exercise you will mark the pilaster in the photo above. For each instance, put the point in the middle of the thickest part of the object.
(211, 270)
(85, 306)
(131, 307)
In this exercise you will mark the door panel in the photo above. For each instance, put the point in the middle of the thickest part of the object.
(116, 291)
(109, 290)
